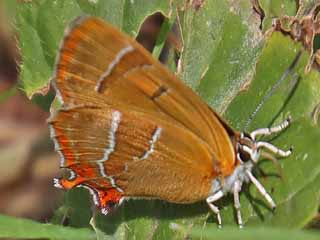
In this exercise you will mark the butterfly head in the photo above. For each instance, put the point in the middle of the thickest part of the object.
(249, 148)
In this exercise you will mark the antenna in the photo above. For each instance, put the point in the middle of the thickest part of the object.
(273, 89)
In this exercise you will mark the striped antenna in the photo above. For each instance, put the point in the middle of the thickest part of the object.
(273, 89)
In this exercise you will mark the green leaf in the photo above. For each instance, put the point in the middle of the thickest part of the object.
(41, 25)
(221, 48)
(302, 169)
(76, 208)
(253, 233)
(40, 34)
(276, 9)
(11, 227)
(232, 65)
(166, 27)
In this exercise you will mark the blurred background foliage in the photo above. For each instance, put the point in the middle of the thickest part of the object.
(230, 52)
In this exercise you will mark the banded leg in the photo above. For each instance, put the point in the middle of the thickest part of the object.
(214, 208)
(261, 189)
(236, 199)
(274, 149)
(269, 131)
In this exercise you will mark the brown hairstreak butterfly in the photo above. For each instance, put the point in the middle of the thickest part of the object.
(129, 128)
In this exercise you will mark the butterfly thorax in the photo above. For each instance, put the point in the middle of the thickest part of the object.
(246, 154)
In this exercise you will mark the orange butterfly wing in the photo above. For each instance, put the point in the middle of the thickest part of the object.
(132, 154)
(129, 127)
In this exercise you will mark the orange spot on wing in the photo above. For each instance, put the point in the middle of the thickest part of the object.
(87, 170)
(109, 198)
(83, 171)
(68, 184)
(68, 52)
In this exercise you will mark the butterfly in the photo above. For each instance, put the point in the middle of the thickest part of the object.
(128, 127)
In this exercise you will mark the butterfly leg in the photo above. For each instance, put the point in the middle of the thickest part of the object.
(261, 189)
(236, 190)
(269, 146)
(274, 149)
(214, 208)
(271, 130)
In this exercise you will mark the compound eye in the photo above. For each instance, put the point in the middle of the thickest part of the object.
(245, 156)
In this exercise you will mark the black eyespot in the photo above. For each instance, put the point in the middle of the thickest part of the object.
(111, 204)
